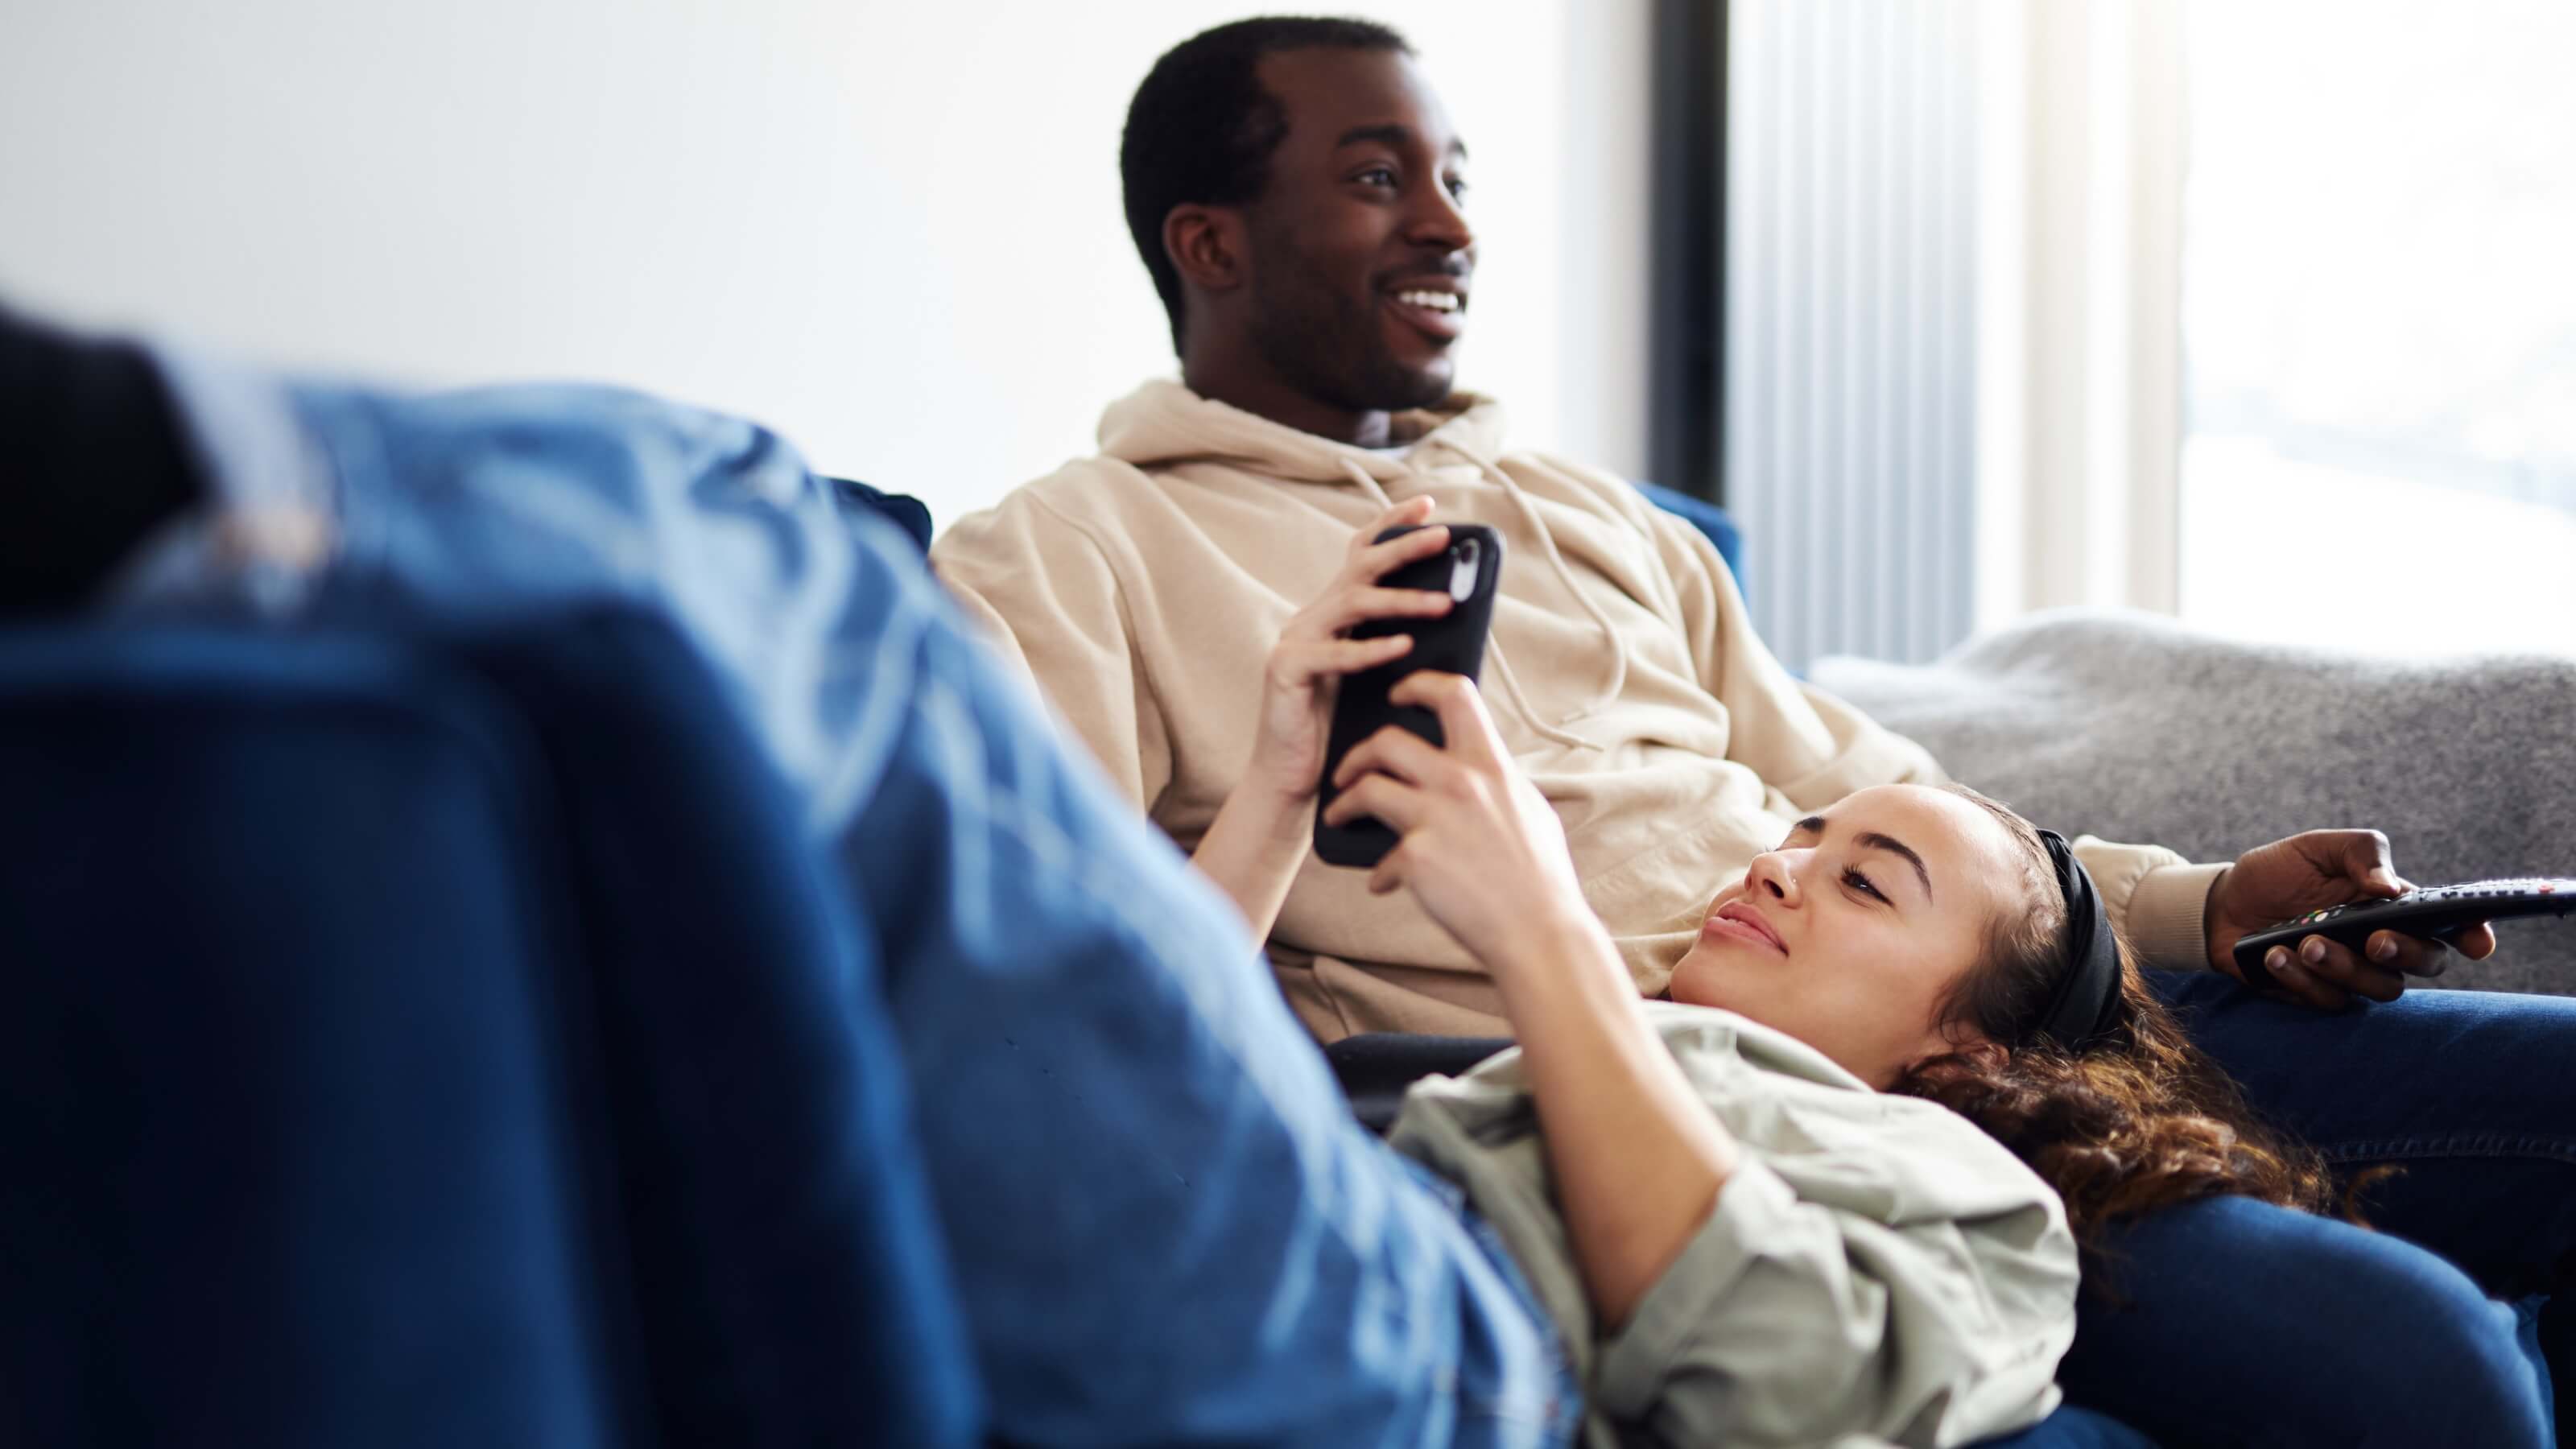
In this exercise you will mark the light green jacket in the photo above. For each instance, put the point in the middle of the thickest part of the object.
(1876, 1270)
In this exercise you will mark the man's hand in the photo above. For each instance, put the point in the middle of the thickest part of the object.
(2309, 872)
(1306, 667)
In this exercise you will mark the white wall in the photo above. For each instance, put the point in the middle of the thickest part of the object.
(890, 230)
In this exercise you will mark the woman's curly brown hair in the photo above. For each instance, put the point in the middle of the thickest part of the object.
(2136, 1121)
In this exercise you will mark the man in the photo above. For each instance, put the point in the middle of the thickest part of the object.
(1296, 191)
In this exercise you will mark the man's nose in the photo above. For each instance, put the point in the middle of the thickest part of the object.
(1440, 222)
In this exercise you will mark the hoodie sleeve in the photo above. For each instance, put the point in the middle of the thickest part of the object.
(2157, 900)
(1803, 742)
(1048, 598)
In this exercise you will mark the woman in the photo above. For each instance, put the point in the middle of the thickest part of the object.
(1742, 1234)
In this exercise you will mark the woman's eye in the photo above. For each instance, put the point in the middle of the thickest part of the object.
(1859, 882)
(1376, 176)
(1458, 188)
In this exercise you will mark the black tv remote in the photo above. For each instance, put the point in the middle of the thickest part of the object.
(2436, 912)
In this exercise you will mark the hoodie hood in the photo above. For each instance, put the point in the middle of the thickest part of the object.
(1163, 423)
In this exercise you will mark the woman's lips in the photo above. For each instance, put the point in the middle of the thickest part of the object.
(1742, 922)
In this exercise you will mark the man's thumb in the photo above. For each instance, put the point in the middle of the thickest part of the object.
(2366, 858)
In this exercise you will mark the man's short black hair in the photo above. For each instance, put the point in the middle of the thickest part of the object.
(1201, 129)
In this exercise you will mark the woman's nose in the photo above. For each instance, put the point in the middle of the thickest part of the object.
(1775, 875)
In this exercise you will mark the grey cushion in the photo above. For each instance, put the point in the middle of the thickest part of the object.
(2131, 727)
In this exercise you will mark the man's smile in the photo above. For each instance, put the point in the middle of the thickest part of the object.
(1436, 306)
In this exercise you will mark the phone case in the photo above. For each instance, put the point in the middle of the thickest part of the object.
(1453, 643)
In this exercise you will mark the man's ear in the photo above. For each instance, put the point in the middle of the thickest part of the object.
(1205, 244)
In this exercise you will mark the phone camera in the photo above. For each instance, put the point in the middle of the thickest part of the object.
(1462, 569)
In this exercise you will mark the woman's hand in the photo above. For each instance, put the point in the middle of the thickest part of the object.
(2309, 872)
(1306, 666)
(1481, 848)
(1253, 847)
(1638, 1159)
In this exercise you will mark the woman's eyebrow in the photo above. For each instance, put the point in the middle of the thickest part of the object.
(1872, 840)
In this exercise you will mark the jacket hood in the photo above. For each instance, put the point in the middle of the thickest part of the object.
(1163, 423)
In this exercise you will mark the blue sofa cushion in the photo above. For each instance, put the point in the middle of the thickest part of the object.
(798, 1290)
(1708, 518)
(901, 509)
(292, 1157)
(440, 1040)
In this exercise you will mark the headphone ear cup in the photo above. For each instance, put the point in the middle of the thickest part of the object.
(2087, 999)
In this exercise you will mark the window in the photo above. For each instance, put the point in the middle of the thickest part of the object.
(2379, 325)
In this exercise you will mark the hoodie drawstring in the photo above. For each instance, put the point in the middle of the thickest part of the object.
(1610, 641)
(1618, 677)
(1367, 480)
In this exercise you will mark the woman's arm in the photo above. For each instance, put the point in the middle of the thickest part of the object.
(1258, 839)
(1639, 1160)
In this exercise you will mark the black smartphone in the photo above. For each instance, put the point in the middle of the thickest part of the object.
(1454, 643)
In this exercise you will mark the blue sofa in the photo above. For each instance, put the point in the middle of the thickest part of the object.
(438, 1039)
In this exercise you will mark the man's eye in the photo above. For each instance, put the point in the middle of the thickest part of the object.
(1458, 188)
(1859, 882)
(1376, 176)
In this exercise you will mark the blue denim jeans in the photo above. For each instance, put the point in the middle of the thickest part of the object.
(2232, 1322)
(1164, 1224)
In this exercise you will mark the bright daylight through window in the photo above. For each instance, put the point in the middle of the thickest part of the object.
(2379, 324)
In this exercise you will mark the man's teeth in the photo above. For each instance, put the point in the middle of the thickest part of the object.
(1430, 301)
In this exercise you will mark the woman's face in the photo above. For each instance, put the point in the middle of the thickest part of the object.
(1849, 935)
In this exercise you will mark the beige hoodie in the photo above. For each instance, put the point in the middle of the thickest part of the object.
(1144, 588)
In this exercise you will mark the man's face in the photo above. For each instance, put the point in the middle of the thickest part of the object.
(1359, 254)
